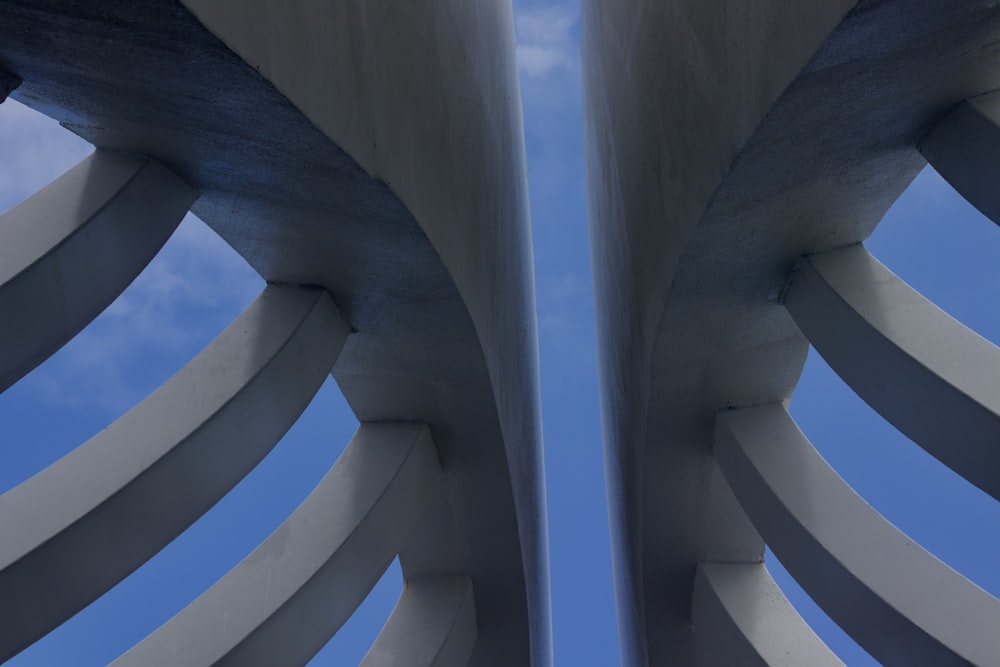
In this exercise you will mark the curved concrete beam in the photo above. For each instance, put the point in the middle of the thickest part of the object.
(742, 618)
(67, 252)
(432, 625)
(965, 149)
(899, 602)
(934, 379)
(285, 600)
(83, 524)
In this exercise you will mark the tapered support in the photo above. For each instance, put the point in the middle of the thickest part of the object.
(80, 526)
(899, 602)
(934, 379)
(287, 598)
(965, 149)
(741, 617)
(67, 252)
(433, 625)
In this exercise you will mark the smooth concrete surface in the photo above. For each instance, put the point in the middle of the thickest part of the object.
(935, 380)
(673, 93)
(900, 603)
(87, 521)
(965, 149)
(742, 618)
(432, 274)
(285, 600)
(432, 625)
(68, 251)
(724, 141)
(425, 97)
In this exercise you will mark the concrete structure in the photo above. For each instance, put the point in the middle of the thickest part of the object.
(367, 160)
(727, 140)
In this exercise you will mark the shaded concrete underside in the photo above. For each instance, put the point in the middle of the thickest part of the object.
(830, 157)
(146, 77)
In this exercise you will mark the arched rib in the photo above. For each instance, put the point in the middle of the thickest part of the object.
(741, 617)
(965, 149)
(931, 377)
(432, 625)
(899, 602)
(286, 599)
(67, 252)
(80, 526)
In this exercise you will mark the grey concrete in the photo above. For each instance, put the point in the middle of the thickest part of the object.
(724, 141)
(444, 321)
(899, 602)
(285, 600)
(934, 379)
(67, 252)
(83, 524)
(742, 618)
(965, 149)
(432, 625)
(424, 96)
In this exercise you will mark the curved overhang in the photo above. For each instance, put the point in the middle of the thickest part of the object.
(724, 143)
(384, 162)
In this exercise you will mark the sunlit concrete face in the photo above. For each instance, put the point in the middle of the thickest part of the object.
(724, 142)
(397, 186)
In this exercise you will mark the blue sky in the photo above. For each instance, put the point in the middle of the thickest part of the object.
(197, 285)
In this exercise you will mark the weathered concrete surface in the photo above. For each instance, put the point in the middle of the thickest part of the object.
(441, 337)
(717, 155)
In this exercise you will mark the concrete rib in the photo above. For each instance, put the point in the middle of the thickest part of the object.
(432, 625)
(899, 602)
(934, 379)
(67, 252)
(83, 524)
(282, 603)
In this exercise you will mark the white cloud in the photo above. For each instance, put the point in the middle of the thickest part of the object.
(545, 40)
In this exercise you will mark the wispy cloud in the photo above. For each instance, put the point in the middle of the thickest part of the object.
(545, 42)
